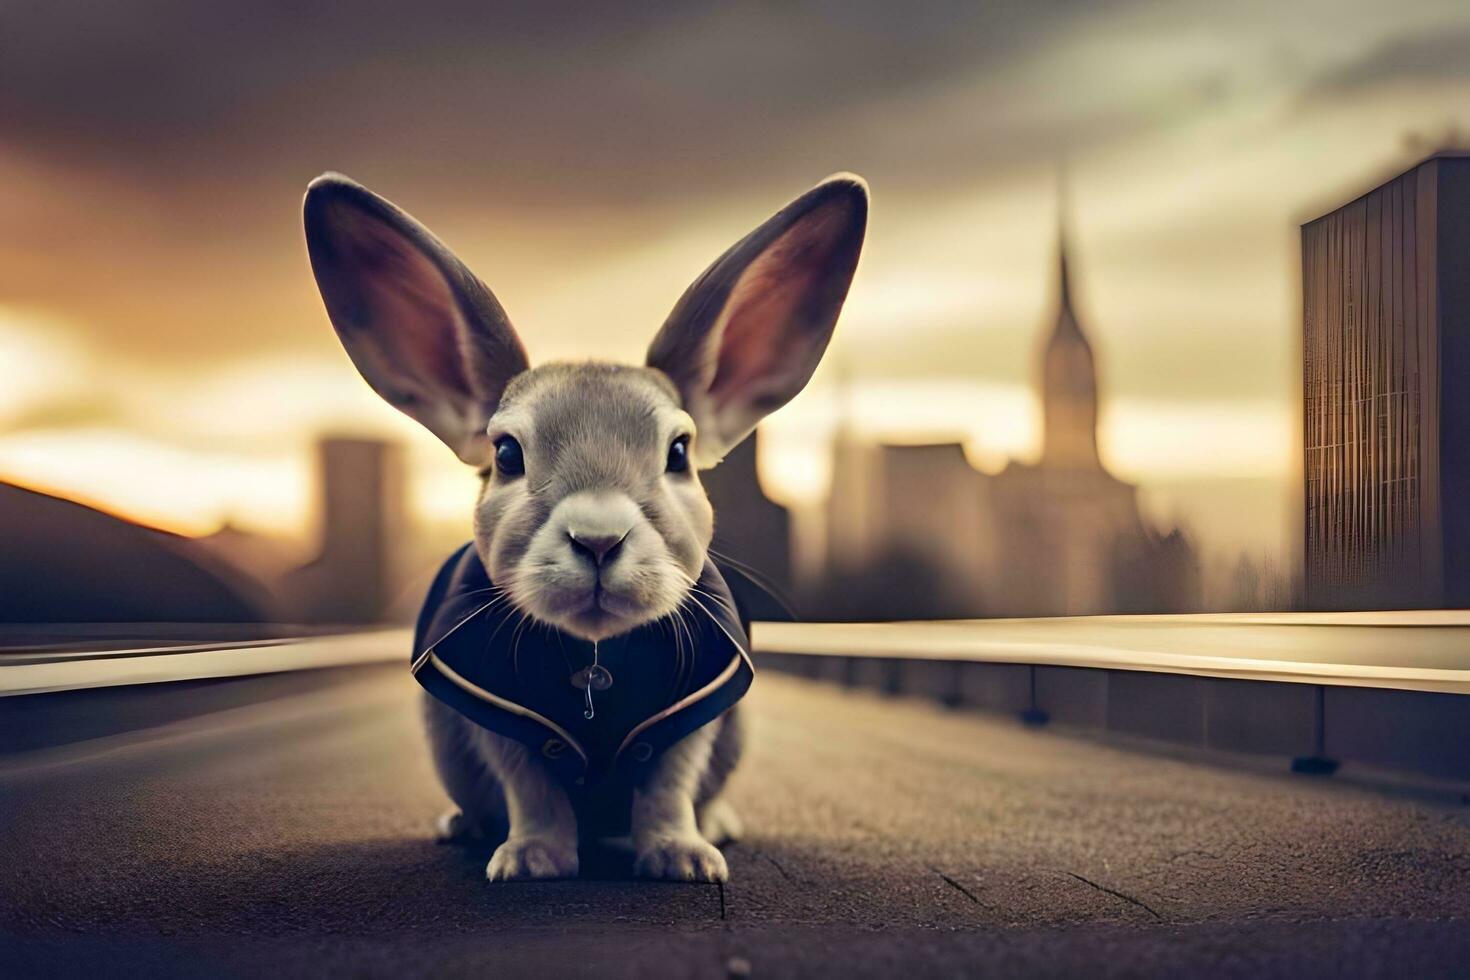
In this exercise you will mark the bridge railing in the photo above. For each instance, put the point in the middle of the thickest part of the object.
(1385, 690)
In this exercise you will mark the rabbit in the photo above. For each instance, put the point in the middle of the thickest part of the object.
(591, 523)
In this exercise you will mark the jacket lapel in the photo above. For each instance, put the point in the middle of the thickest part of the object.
(513, 676)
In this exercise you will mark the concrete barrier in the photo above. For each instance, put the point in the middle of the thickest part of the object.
(1322, 697)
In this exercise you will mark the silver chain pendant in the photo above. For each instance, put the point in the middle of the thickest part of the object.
(597, 677)
(592, 678)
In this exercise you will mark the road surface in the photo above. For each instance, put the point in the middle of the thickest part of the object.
(288, 836)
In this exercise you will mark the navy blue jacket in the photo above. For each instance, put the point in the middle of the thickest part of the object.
(512, 675)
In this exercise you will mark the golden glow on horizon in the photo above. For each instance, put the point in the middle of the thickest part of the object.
(41, 357)
(188, 491)
(195, 490)
(191, 451)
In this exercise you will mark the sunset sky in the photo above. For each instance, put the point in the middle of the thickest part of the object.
(163, 351)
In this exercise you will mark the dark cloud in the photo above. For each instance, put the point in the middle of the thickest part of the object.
(542, 100)
(157, 150)
(153, 153)
(1433, 56)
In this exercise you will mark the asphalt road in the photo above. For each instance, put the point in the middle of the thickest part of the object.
(289, 836)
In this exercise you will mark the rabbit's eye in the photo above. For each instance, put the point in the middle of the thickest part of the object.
(508, 458)
(679, 455)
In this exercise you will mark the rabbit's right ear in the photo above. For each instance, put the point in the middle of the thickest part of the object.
(422, 330)
(747, 335)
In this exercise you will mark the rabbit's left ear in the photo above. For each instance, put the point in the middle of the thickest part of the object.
(747, 335)
(423, 331)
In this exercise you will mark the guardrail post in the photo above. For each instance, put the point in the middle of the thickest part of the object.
(953, 696)
(1317, 764)
(1033, 716)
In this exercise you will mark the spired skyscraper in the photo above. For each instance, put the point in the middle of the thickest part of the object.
(1068, 383)
(1069, 535)
(1386, 349)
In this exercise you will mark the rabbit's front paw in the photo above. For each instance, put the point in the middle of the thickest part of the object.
(681, 859)
(532, 857)
(454, 827)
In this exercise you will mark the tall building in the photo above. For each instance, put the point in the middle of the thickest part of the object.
(1068, 383)
(854, 504)
(1386, 344)
(752, 531)
(1065, 516)
(908, 530)
(361, 518)
(950, 530)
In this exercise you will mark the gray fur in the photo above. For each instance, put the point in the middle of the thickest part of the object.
(595, 438)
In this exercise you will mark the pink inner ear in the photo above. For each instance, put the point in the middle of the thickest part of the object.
(779, 315)
(410, 304)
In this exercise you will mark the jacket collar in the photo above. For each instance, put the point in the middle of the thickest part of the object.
(512, 675)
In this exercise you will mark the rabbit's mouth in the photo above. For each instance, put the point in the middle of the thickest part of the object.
(599, 611)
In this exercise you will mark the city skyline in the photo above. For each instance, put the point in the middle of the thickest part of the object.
(185, 385)
(919, 531)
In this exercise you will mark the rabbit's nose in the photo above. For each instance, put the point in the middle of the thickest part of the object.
(597, 547)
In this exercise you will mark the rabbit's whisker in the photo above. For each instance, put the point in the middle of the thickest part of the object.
(515, 645)
(719, 601)
(766, 584)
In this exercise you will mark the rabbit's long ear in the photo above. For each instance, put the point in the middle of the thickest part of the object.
(747, 335)
(423, 331)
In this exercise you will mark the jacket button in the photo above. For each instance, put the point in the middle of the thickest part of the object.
(642, 751)
(552, 748)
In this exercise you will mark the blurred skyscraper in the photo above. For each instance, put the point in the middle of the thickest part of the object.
(750, 528)
(1065, 522)
(1386, 344)
(361, 519)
